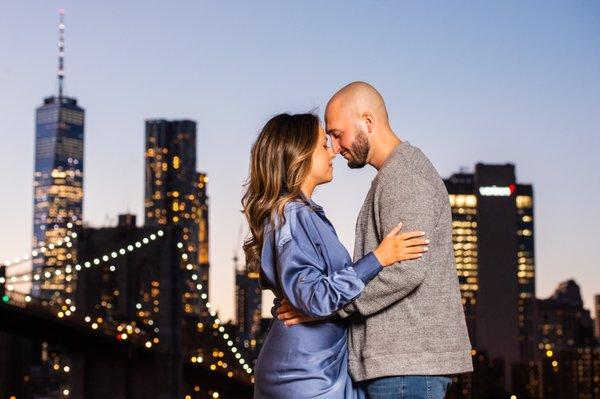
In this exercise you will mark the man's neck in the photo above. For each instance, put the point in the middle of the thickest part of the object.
(383, 148)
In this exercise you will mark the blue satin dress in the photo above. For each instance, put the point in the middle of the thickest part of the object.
(304, 261)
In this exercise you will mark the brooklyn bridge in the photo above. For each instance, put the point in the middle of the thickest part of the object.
(131, 319)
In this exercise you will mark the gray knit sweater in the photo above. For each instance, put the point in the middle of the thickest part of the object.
(409, 320)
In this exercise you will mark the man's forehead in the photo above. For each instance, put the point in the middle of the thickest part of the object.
(333, 122)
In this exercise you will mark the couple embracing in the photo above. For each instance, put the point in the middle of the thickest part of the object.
(387, 323)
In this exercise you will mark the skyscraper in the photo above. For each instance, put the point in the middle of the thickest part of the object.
(201, 206)
(248, 301)
(493, 243)
(175, 194)
(571, 362)
(57, 182)
(563, 321)
(597, 316)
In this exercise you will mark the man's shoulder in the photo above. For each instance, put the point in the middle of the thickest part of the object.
(408, 164)
(410, 179)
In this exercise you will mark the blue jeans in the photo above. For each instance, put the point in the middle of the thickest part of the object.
(408, 387)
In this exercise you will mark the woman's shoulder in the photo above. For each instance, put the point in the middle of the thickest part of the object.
(297, 215)
(295, 212)
(296, 207)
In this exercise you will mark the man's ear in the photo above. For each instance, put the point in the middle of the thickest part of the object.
(368, 119)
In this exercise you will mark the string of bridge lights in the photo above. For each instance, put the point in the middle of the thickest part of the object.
(68, 269)
(43, 248)
(68, 309)
(216, 322)
(95, 323)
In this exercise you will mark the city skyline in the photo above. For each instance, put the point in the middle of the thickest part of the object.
(446, 129)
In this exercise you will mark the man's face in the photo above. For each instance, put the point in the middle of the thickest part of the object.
(348, 136)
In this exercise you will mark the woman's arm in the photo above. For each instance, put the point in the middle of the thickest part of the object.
(315, 294)
(301, 274)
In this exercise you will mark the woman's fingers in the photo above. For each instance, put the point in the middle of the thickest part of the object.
(415, 241)
(419, 249)
(395, 230)
(411, 234)
(412, 256)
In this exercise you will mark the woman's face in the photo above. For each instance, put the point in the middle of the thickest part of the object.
(321, 170)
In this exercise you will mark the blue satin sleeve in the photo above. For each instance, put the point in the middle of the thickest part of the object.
(302, 276)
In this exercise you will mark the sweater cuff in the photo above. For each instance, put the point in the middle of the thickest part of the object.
(347, 310)
(367, 267)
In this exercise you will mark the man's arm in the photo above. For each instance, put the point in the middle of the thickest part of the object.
(412, 201)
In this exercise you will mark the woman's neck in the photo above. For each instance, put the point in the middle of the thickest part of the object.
(307, 189)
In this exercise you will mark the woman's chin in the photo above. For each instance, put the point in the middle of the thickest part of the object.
(326, 180)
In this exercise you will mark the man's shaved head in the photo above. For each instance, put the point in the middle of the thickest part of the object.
(354, 116)
(357, 98)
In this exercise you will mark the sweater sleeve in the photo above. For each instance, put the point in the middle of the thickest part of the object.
(412, 202)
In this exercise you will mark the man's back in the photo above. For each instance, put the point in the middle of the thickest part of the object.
(409, 320)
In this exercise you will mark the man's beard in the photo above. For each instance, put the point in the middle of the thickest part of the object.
(359, 150)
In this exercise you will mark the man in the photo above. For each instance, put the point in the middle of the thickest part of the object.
(407, 329)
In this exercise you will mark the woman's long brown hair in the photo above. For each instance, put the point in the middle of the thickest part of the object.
(279, 162)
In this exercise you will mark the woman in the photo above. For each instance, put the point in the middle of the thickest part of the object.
(295, 249)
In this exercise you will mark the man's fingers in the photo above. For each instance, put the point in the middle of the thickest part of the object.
(297, 320)
(284, 308)
(289, 315)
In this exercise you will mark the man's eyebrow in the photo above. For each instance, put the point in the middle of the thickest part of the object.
(331, 131)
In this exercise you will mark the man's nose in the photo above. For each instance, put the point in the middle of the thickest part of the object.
(335, 146)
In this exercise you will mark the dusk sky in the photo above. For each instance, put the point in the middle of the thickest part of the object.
(467, 82)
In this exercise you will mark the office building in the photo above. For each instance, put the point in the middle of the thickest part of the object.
(57, 184)
(493, 238)
(175, 194)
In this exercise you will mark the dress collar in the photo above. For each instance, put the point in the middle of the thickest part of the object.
(313, 205)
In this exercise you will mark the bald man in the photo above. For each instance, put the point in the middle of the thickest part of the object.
(407, 332)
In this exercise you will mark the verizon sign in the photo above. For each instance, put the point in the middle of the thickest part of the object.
(497, 191)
